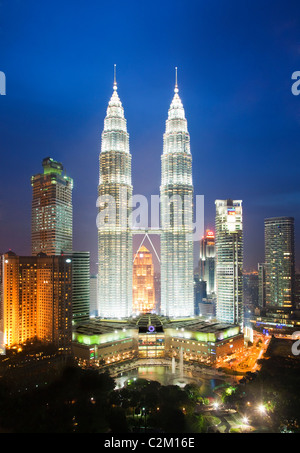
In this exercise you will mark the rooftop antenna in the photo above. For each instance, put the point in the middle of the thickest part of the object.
(176, 82)
(115, 77)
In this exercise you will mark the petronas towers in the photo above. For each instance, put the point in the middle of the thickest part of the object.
(177, 284)
(115, 233)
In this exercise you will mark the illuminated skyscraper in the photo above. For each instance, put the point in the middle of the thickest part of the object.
(229, 264)
(80, 285)
(93, 295)
(51, 221)
(37, 299)
(261, 285)
(114, 234)
(177, 279)
(207, 261)
(279, 262)
(143, 282)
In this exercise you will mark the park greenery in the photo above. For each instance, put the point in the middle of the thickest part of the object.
(86, 401)
(275, 388)
(76, 400)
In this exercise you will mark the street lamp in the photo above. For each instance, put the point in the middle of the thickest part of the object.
(261, 409)
(245, 420)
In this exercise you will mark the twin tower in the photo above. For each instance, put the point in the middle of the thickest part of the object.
(115, 233)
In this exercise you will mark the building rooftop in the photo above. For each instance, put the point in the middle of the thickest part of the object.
(52, 166)
(98, 326)
(198, 325)
(101, 327)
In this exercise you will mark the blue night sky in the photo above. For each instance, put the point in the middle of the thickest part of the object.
(235, 61)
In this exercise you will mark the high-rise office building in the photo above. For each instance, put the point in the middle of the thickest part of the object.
(114, 233)
(37, 299)
(279, 261)
(229, 261)
(251, 290)
(157, 291)
(207, 261)
(80, 286)
(261, 285)
(51, 220)
(177, 276)
(200, 293)
(143, 282)
(93, 296)
(297, 291)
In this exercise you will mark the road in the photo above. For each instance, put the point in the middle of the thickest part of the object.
(247, 360)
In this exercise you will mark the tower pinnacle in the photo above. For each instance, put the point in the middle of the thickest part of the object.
(115, 78)
(176, 83)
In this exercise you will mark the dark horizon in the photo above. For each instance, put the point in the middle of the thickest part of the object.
(235, 64)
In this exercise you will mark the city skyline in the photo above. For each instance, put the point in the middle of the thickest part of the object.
(149, 219)
(236, 92)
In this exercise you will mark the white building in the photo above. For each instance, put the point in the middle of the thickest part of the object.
(229, 264)
(177, 281)
(114, 235)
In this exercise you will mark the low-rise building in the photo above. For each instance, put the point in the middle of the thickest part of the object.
(103, 342)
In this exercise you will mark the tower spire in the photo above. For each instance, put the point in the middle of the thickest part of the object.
(176, 82)
(115, 77)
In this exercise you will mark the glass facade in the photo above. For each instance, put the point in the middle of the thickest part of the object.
(229, 264)
(151, 345)
(114, 234)
(150, 336)
(177, 287)
(80, 262)
(279, 261)
(207, 261)
(52, 213)
(143, 282)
